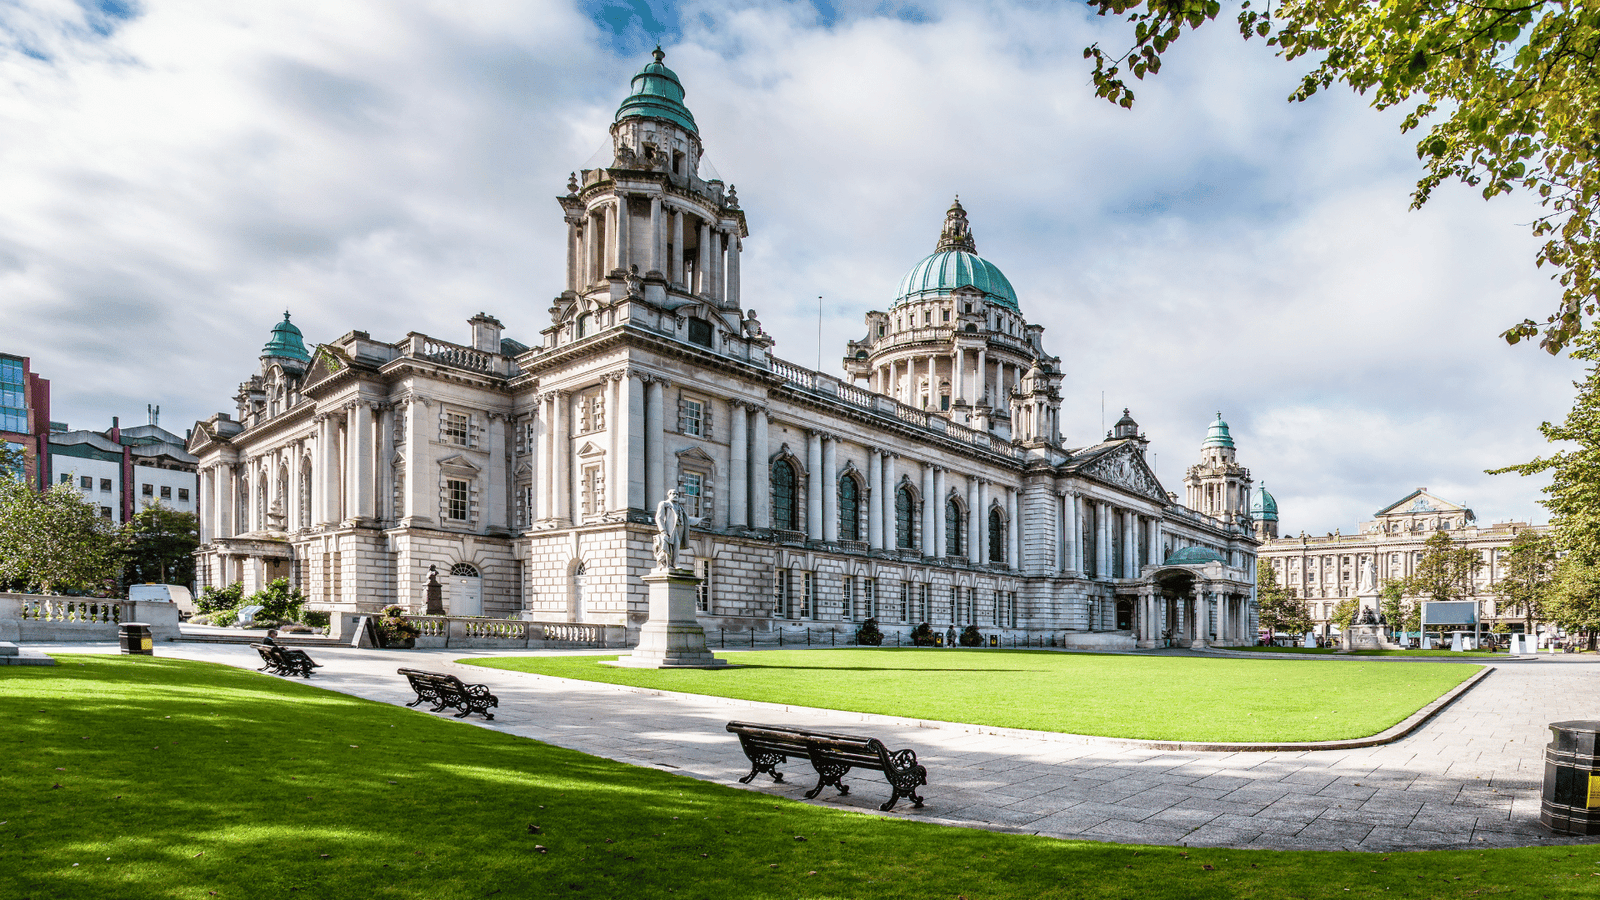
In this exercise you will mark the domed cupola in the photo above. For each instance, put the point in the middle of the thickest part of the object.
(954, 264)
(658, 94)
(1125, 428)
(1264, 508)
(286, 343)
(1218, 435)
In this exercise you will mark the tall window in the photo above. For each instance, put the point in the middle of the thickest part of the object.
(905, 601)
(692, 485)
(849, 509)
(785, 503)
(999, 608)
(13, 396)
(869, 598)
(847, 598)
(922, 603)
(972, 606)
(693, 417)
(997, 537)
(952, 527)
(780, 592)
(904, 516)
(808, 595)
(456, 496)
(702, 591)
(585, 322)
(455, 428)
(1011, 608)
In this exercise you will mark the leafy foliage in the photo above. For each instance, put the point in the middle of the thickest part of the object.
(971, 637)
(1344, 612)
(393, 627)
(278, 601)
(922, 635)
(1445, 572)
(1401, 612)
(54, 541)
(1575, 602)
(869, 635)
(160, 543)
(214, 599)
(1529, 565)
(1281, 610)
(1514, 84)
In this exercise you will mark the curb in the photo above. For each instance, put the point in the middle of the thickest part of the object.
(1389, 735)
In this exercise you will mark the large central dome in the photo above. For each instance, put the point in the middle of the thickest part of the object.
(955, 264)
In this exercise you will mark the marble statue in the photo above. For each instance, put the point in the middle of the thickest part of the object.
(672, 531)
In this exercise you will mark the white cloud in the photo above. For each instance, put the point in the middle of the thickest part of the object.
(171, 188)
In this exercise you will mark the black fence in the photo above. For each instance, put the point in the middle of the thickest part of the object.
(827, 637)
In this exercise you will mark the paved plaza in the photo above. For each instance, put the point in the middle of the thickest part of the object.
(1469, 777)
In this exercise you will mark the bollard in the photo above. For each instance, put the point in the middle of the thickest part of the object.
(1571, 799)
(135, 639)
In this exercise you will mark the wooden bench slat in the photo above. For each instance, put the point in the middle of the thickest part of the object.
(447, 691)
(832, 756)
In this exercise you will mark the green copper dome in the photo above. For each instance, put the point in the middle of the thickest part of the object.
(658, 94)
(1218, 435)
(954, 264)
(1193, 556)
(286, 342)
(1263, 508)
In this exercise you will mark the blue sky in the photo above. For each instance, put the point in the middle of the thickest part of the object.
(176, 174)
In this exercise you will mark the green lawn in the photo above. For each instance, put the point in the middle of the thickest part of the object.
(155, 778)
(1330, 651)
(1155, 697)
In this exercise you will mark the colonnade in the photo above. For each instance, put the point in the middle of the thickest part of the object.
(1085, 545)
(1210, 616)
(906, 377)
(602, 239)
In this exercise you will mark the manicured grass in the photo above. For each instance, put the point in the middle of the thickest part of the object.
(1154, 697)
(1332, 651)
(146, 778)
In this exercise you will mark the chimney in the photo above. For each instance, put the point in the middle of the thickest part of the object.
(486, 333)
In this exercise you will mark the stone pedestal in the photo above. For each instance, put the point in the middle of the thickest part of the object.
(1366, 637)
(672, 637)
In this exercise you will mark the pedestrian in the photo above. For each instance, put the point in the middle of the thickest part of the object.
(270, 639)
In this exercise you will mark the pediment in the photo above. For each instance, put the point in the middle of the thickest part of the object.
(696, 455)
(590, 449)
(325, 363)
(1124, 467)
(458, 462)
(1421, 502)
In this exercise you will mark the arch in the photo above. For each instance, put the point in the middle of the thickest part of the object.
(303, 494)
(466, 590)
(466, 569)
(582, 325)
(578, 592)
(849, 508)
(997, 536)
(905, 516)
(954, 519)
(785, 496)
(700, 331)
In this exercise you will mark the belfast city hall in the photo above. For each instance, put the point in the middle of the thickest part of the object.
(927, 482)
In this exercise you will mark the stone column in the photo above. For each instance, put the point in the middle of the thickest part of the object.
(830, 488)
(561, 460)
(958, 376)
(760, 472)
(205, 505)
(974, 516)
(1013, 529)
(735, 247)
(624, 234)
(716, 267)
(982, 530)
(227, 493)
(360, 444)
(616, 444)
(940, 538)
(982, 377)
(609, 251)
(292, 520)
(738, 466)
(813, 486)
(655, 233)
(384, 502)
(1130, 545)
(677, 248)
(875, 491)
(496, 486)
(655, 443)
(886, 501)
(703, 270)
(574, 255)
(630, 416)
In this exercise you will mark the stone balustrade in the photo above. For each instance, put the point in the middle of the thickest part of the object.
(488, 634)
(47, 617)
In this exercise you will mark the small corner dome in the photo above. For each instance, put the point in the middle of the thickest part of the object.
(1126, 427)
(1193, 556)
(658, 94)
(1217, 435)
(286, 342)
(1264, 508)
(955, 264)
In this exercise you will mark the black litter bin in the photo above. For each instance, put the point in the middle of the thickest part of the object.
(135, 637)
(1572, 778)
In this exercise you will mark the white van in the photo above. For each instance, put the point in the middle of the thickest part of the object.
(165, 593)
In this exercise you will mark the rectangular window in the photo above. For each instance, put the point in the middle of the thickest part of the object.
(808, 594)
(456, 497)
(166, 492)
(183, 495)
(456, 427)
(691, 485)
(148, 490)
(847, 598)
(905, 601)
(955, 602)
(999, 602)
(972, 606)
(87, 484)
(702, 591)
(693, 416)
(105, 485)
(780, 592)
(66, 477)
(105, 512)
(869, 598)
(1011, 608)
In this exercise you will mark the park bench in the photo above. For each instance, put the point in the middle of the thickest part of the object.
(831, 755)
(449, 692)
(285, 660)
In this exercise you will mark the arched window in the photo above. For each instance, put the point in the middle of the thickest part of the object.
(997, 537)
(849, 509)
(785, 502)
(904, 514)
(464, 569)
(952, 527)
(584, 322)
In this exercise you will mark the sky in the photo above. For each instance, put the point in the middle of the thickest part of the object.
(176, 175)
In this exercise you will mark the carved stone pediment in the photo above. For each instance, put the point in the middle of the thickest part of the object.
(1125, 468)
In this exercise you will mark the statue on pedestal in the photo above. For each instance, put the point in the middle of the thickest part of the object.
(435, 606)
(672, 532)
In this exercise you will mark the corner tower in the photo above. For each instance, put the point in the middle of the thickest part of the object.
(1219, 486)
(955, 344)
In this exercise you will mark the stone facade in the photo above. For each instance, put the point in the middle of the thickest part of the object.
(940, 491)
(1325, 570)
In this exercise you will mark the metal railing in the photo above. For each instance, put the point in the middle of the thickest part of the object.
(1005, 639)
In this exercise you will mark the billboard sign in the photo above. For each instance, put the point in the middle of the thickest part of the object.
(1449, 612)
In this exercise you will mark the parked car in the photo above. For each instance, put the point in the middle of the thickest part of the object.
(169, 593)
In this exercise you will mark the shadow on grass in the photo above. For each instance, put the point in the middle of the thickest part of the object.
(160, 778)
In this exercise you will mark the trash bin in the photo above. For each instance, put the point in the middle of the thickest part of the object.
(135, 637)
(1572, 778)
(994, 640)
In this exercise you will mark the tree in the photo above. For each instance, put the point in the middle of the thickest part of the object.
(1280, 610)
(1445, 572)
(160, 546)
(1402, 614)
(1574, 604)
(1514, 82)
(1529, 565)
(1344, 613)
(53, 541)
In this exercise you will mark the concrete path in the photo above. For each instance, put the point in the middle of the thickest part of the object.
(1470, 777)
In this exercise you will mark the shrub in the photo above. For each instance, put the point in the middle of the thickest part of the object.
(868, 634)
(278, 601)
(317, 618)
(213, 599)
(201, 619)
(393, 628)
(922, 635)
(224, 618)
(972, 637)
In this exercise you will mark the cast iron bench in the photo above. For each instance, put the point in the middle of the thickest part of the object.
(832, 755)
(449, 692)
(285, 660)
